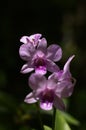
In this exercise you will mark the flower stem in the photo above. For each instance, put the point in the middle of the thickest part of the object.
(53, 118)
(39, 116)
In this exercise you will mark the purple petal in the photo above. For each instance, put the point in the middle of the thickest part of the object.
(54, 52)
(31, 39)
(66, 69)
(67, 91)
(46, 105)
(41, 70)
(24, 39)
(65, 73)
(51, 66)
(51, 84)
(26, 68)
(26, 51)
(42, 45)
(58, 103)
(39, 53)
(65, 88)
(35, 37)
(54, 77)
(37, 81)
(30, 98)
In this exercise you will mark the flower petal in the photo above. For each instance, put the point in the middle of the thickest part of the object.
(30, 98)
(65, 88)
(42, 45)
(67, 91)
(46, 105)
(31, 39)
(66, 69)
(23, 52)
(35, 39)
(65, 73)
(54, 77)
(51, 66)
(54, 52)
(51, 84)
(58, 103)
(26, 68)
(24, 39)
(26, 51)
(36, 36)
(37, 81)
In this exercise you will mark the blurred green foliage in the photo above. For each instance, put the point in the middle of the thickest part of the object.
(61, 22)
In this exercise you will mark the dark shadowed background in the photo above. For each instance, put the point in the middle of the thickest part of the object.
(61, 22)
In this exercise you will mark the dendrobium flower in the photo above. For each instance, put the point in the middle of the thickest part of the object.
(38, 57)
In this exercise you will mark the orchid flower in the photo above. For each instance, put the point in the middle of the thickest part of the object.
(37, 56)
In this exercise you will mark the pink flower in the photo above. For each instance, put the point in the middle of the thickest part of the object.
(37, 56)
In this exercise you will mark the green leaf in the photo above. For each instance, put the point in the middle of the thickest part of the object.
(47, 127)
(70, 119)
(60, 122)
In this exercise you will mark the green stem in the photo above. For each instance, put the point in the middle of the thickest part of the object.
(39, 116)
(53, 118)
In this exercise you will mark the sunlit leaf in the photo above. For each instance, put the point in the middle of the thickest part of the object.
(47, 127)
(60, 122)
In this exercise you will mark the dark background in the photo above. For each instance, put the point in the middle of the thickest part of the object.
(61, 22)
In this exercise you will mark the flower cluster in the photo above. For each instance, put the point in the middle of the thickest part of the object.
(40, 58)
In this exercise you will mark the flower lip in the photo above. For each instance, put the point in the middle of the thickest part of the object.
(47, 95)
(39, 62)
(46, 99)
(46, 106)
